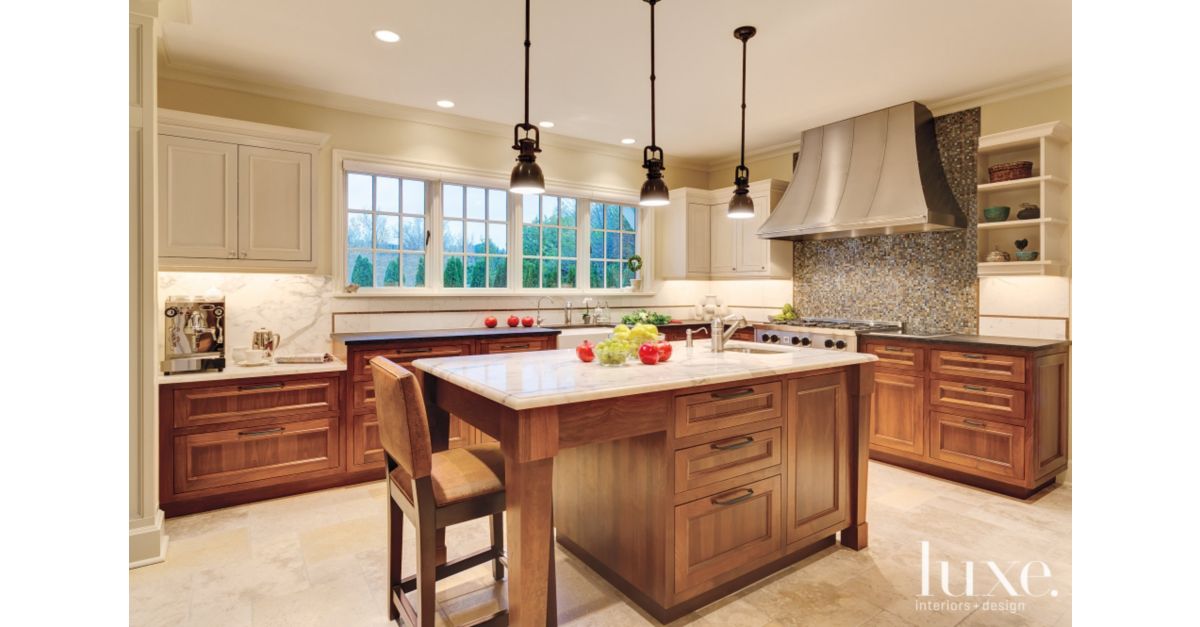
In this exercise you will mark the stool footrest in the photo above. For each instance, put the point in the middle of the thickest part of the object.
(442, 571)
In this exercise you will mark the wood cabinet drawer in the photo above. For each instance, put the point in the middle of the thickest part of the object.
(236, 456)
(362, 396)
(722, 536)
(366, 449)
(898, 413)
(403, 355)
(729, 407)
(513, 345)
(724, 459)
(977, 444)
(195, 407)
(898, 356)
(975, 397)
(980, 365)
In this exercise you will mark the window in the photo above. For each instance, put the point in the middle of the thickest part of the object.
(385, 230)
(474, 236)
(613, 241)
(548, 241)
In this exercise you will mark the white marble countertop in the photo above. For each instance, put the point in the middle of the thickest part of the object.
(245, 372)
(545, 378)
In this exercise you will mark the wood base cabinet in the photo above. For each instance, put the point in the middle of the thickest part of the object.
(988, 416)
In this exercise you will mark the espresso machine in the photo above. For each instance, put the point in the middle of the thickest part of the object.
(195, 334)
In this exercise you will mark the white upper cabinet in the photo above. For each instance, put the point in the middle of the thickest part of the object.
(198, 196)
(235, 195)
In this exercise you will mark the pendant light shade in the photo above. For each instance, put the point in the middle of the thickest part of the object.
(655, 192)
(527, 174)
(741, 205)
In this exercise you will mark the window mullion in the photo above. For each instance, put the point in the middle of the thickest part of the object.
(433, 222)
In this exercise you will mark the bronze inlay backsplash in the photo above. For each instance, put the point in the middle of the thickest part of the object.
(926, 280)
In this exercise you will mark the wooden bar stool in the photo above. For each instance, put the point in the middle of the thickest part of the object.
(434, 490)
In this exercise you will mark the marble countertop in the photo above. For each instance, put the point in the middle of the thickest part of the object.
(246, 372)
(437, 334)
(981, 340)
(546, 378)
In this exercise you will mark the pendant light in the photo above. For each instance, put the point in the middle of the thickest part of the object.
(741, 205)
(654, 190)
(527, 174)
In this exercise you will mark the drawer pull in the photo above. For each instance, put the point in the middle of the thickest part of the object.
(974, 388)
(409, 351)
(736, 444)
(894, 349)
(261, 432)
(261, 386)
(972, 356)
(735, 500)
(974, 423)
(737, 394)
(510, 346)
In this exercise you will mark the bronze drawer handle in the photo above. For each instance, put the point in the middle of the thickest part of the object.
(972, 356)
(508, 346)
(407, 351)
(974, 388)
(733, 501)
(737, 394)
(261, 386)
(736, 444)
(974, 423)
(261, 432)
(894, 349)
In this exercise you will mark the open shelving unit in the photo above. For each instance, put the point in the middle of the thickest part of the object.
(1048, 147)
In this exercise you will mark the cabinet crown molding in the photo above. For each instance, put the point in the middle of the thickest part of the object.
(171, 122)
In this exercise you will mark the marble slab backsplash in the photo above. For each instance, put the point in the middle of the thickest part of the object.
(926, 280)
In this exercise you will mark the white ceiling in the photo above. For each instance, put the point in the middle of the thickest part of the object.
(813, 61)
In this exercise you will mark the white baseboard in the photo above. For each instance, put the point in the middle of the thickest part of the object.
(148, 543)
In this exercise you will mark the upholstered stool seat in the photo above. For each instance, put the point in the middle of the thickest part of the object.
(460, 474)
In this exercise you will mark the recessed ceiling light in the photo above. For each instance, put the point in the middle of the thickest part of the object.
(546, 124)
(445, 104)
(628, 140)
(387, 36)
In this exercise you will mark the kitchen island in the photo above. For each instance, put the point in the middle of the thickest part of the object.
(679, 483)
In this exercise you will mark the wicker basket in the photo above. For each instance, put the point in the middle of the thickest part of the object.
(1010, 171)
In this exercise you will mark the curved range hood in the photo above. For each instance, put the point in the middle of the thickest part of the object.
(875, 174)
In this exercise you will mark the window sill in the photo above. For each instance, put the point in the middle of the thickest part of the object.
(483, 293)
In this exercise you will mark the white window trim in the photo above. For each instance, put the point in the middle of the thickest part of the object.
(436, 175)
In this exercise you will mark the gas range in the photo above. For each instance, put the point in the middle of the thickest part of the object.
(825, 333)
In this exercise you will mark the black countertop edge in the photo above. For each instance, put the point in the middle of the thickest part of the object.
(439, 334)
(981, 340)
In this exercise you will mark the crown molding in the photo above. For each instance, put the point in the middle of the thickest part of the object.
(767, 152)
(1029, 85)
(353, 104)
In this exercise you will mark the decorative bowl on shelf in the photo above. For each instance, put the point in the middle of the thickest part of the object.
(1027, 255)
(998, 213)
(998, 255)
(1010, 171)
(1029, 211)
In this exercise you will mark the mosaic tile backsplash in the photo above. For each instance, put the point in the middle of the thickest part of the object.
(926, 280)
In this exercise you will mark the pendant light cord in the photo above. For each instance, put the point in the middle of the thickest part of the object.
(527, 64)
(744, 102)
(653, 141)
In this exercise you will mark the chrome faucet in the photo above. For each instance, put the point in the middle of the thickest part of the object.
(539, 309)
(720, 334)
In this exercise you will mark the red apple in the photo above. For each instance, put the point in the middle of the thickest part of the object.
(585, 351)
(527, 321)
(648, 353)
(513, 321)
(490, 322)
(664, 350)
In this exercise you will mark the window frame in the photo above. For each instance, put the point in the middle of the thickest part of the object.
(345, 162)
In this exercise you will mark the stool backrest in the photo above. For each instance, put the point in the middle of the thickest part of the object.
(403, 425)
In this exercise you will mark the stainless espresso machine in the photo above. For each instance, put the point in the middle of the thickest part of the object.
(195, 334)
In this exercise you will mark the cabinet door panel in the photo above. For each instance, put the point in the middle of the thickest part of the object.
(220, 404)
(898, 356)
(978, 444)
(979, 365)
(752, 252)
(990, 399)
(275, 204)
(898, 413)
(728, 407)
(818, 435)
(198, 198)
(698, 239)
(225, 458)
(366, 449)
(723, 252)
(713, 462)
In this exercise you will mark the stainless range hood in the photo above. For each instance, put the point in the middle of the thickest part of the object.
(875, 174)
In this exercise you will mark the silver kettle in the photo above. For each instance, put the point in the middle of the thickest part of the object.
(266, 341)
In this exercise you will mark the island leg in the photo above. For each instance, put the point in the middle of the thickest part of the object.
(530, 443)
(862, 386)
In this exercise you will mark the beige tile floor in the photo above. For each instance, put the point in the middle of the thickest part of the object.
(318, 559)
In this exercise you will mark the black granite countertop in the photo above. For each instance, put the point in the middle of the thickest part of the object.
(438, 334)
(982, 340)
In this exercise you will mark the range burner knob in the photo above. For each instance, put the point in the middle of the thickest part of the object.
(774, 339)
(805, 341)
(796, 340)
(764, 337)
(840, 344)
(828, 343)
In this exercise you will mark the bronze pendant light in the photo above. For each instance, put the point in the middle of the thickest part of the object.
(741, 206)
(654, 191)
(527, 174)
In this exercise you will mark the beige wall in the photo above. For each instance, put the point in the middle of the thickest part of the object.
(1026, 110)
(598, 165)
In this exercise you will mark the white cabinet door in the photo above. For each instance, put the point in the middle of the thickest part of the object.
(724, 240)
(198, 198)
(752, 252)
(275, 207)
(698, 239)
